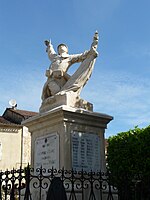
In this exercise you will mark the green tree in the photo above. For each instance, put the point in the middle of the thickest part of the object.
(129, 162)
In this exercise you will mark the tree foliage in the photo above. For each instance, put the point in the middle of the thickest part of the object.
(129, 158)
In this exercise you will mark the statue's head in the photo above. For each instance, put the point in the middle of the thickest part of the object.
(62, 49)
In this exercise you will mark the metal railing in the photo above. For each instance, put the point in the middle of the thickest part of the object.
(34, 184)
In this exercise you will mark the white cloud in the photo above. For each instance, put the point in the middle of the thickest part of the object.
(25, 88)
(123, 95)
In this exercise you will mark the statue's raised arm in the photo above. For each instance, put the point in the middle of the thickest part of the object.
(95, 41)
(59, 82)
(50, 50)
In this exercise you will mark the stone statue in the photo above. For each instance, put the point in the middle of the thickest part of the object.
(59, 82)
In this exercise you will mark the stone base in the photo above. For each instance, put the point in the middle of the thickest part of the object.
(69, 99)
(55, 128)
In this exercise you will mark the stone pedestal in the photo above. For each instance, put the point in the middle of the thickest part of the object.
(69, 99)
(52, 135)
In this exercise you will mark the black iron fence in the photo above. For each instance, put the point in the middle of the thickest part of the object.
(36, 184)
(52, 184)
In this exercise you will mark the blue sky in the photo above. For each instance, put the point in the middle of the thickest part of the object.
(119, 85)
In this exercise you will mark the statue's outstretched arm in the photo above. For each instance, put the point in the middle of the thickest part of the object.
(84, 71)
(78, 57)
(50, 50)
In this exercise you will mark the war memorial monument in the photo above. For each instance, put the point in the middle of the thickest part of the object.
(67, 132)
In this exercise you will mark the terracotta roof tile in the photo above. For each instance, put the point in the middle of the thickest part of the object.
(15, 116)
(4, 121)
(24, 113)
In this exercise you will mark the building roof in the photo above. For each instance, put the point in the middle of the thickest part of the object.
(4, 121)
(24, 113)
(15, 116)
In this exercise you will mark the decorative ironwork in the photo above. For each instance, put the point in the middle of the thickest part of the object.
(30, 184)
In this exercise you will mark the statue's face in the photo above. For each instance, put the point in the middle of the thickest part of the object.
(62, 49)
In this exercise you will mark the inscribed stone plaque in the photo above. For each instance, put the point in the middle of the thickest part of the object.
(85, 151)
(47, 152)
